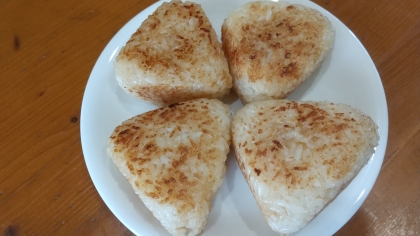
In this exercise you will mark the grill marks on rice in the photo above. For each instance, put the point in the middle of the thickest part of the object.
(272, 47)
(310, 148)
(175, 157)
(318, 123)
(172, 184)
(174, 56)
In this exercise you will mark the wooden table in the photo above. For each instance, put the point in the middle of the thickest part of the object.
(47, 51)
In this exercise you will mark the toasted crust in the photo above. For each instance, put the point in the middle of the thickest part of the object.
(272, 47)
(298, 156)
(174, 158)
(174, 56)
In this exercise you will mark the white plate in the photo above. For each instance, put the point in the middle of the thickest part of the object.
(348, 75)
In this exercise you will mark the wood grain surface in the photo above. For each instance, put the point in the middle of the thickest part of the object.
(47, 51)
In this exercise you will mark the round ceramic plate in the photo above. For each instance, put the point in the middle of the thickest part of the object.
(348, 75)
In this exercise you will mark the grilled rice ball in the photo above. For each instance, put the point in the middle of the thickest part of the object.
(272, 47)
(174, 56)
(174, 158)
